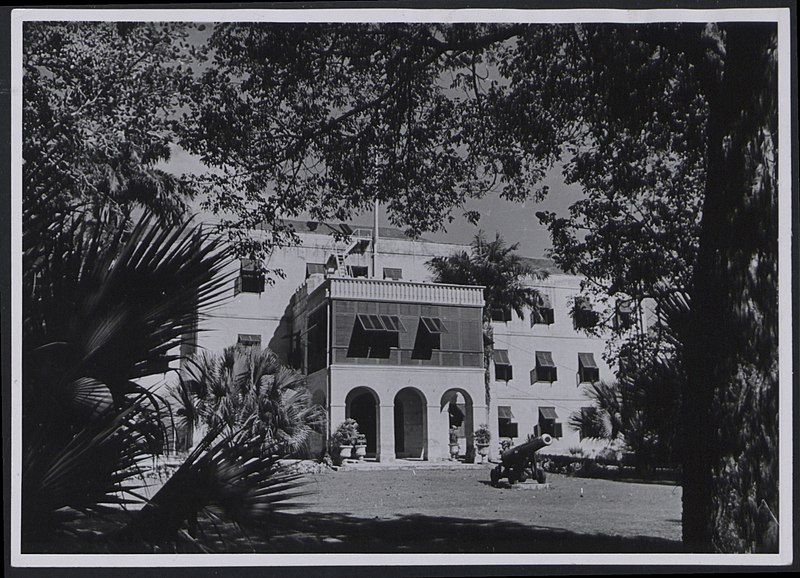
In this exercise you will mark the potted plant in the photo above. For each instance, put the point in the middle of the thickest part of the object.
(344, 438)
(453, 442)
(482, 438)
(361, 446)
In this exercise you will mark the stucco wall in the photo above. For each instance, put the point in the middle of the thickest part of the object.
(566, 395)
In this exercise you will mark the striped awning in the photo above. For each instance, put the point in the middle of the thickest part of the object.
(586, 361)
(544, 359)
(249, 339)
(544, 301)
(371, 322)
(393, 273)
(392, 323)
(547, 413)
(501, 357)
(433, 325)
(504, 412)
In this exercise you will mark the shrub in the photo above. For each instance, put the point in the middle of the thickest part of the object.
(345, 435)
(482, 434)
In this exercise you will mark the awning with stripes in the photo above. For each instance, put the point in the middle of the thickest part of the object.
(433, 325)
(501, 357)
(586, 361)
(544, 359)
(504, 412)
(371, 322)
(547, 413)
(544, 301)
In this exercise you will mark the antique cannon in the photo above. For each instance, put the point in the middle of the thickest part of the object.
(519, 463)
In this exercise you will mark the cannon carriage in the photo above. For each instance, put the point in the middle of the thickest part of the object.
(519, 463)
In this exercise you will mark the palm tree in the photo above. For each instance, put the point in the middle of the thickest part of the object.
(639, 412)
(247, 388)
(104, 308)
(503, 273)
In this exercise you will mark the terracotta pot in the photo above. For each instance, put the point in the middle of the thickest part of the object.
(361, 451)
(483, 449)
(345, 452)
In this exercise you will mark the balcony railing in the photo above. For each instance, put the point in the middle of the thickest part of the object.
(405, 291)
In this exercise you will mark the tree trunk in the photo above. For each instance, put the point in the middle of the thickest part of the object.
(734, 298)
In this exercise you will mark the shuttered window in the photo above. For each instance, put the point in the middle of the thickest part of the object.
(545, 370)
(502, 365)
(392, 273)
(588, 372)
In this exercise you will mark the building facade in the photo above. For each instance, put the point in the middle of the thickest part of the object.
(404, 357)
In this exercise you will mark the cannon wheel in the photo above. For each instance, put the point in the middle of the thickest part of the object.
(494, 475)
(523, 476)
(540, 476)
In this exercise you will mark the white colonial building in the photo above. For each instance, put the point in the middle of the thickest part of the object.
(379, 342)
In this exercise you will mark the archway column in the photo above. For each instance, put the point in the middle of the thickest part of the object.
(337, 415)
(386, 433)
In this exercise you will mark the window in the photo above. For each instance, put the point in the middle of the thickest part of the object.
(502, 366)
(543, 314)
(505, 422)
(358, 271)
(314, 269)
(545, 370)
(548, 423)
(501, 314)
(429, 337)
(583, 316)
(392, 273)
(375, 335)
(380, 323)
(249, 340)
(588, 372)
(250, 279)
(623, 316)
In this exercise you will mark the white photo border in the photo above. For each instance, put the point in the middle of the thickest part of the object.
(781, 16)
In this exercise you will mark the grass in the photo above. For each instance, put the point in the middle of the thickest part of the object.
(441, 511)
(459, 511)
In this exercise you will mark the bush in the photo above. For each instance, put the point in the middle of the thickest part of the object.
(483, 435)
(345, 435)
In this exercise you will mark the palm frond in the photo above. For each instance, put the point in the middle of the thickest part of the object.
(234, 476)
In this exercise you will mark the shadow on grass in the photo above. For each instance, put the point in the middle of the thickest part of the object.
(311, 532)
(331, 533)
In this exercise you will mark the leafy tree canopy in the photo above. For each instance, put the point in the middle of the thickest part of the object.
(326, 118)
(100, 100)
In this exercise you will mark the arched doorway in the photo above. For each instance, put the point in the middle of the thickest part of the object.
(410, 427)
(456, 410)
(362, 406)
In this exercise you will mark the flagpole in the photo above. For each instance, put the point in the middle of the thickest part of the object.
(375, 240)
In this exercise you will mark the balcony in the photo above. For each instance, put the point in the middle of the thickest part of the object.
(404, 291)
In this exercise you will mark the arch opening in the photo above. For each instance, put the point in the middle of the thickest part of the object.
(410, 424)
(361, 405)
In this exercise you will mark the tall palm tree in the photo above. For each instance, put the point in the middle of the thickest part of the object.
(247, 388)
(505, 276)
(104, 308)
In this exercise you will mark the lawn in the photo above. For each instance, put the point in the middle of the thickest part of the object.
(459, 511)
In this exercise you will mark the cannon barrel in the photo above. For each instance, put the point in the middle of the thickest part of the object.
(512, 455)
